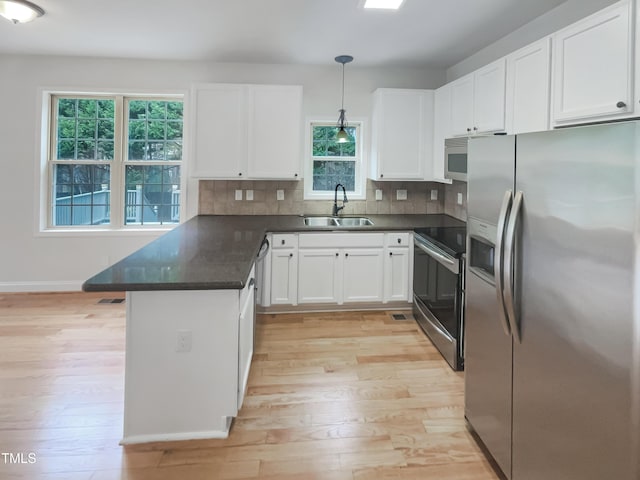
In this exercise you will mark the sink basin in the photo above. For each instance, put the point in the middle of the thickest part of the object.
(354, 222)
(320, 222)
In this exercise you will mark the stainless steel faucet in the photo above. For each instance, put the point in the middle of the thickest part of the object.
(336, 208)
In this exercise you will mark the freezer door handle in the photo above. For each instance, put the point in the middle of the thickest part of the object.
(509, 266)
(498, 260)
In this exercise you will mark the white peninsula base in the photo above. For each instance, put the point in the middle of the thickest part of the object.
(188, 354)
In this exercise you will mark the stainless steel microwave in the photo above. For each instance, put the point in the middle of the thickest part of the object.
(455, 158)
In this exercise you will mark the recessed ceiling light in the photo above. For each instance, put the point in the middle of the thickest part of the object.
(383, 4)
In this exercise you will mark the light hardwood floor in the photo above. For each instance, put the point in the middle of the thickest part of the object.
(345, 396)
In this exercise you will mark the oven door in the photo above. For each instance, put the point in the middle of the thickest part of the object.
(437, 293)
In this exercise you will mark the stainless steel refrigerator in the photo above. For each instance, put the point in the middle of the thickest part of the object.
(552, 353)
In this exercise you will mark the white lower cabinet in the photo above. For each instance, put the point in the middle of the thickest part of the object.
(339, 268)
(283, 269)
(245, 336)
(396, 275)
(398, 267)
(319, 275)
(363, 274)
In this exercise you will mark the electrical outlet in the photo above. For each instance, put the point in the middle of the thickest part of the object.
(459, 199)
(378, 194)
(238, 194)
(279, 194)
(184, 341)
(401, 194)
(249, 195)
(434, 194)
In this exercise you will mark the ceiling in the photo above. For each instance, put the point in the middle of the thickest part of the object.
(423, 33)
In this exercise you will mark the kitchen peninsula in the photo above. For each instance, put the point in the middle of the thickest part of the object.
(189, 334)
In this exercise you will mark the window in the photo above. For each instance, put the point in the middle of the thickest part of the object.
(115, 161)
(332, 162)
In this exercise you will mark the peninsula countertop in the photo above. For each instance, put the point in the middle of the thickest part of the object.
(216, 252)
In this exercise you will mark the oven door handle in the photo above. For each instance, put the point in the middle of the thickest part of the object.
(445, 261)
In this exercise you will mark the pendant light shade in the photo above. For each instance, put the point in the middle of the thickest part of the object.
(342, 136)
(20, 11)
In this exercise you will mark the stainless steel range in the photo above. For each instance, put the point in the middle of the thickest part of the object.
(438, 289)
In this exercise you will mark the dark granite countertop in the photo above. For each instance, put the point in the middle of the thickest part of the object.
(215, 252)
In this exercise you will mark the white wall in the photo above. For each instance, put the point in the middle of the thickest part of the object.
(556, 19)
(32, 262)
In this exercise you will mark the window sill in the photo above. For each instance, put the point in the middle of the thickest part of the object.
(331, 196)
(104, 232)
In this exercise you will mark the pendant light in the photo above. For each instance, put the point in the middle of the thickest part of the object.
(343, 136)
(20, 11)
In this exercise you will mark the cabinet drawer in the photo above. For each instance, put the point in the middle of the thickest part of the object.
(341, 240)
(400, 239)
(284, 240)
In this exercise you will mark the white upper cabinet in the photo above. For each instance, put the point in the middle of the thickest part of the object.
(528, 88)
(402, 127)
(275, 129)
(489, 98)
(441, 128)
(219, 133)
(478, 100)
(461, 92)
(238, 131)
(593, 67)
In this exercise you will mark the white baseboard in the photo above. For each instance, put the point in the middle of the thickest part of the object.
(174, 437)
(26, 287)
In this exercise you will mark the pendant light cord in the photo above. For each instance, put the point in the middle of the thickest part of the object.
(343, 86)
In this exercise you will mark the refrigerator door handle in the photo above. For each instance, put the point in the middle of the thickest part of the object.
(498, 260)
(509, 266)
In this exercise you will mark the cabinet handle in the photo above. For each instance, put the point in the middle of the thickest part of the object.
(399, 240)
(346, 254)
(240, 174)
(282, 242)
(391, 254)
(475, 129)
(621, 104)
(291, 255)
(381, 175)
(468, 129)
(295, 174)
(337, 254)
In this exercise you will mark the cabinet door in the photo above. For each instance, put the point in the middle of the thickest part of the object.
(319, 275)
(219, 137)
(284, 272)
(245, 340)
(403, 132)
(592, 67)
(275, 128)
(363, 275)
(488, 98)
(396, 275)
(441, 128)
(462, 106)
(528, 88)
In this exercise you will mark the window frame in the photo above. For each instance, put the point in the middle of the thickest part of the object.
(117, 171)
(360, 164)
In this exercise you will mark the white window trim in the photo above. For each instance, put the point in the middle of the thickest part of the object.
(42, 204)
(361, 166)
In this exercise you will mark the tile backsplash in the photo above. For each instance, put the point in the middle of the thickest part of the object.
(451, 205)
(217, 197)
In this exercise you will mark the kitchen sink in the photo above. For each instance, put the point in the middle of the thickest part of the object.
(337, 221)
(320, 222)
(354, 222)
